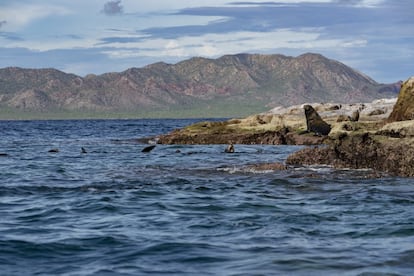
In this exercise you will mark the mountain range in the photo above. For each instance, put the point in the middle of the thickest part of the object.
(232, 85)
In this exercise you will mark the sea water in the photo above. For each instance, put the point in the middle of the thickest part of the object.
(188, 209)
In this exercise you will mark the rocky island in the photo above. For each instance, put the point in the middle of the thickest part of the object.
(377, 135)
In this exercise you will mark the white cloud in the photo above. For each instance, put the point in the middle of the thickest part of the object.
(162, 5)
(213, 45)
(370, 3)
(20, 15)
(52, 27)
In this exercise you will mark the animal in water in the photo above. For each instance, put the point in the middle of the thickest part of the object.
(53, 150)
(230, 148)
(148, 149)
(3, 154)
(314, 122)
(83, 150)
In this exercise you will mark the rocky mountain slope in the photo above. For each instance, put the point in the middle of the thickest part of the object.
(236, 84)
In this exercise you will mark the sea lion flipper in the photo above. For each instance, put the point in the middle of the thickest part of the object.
(148, 149)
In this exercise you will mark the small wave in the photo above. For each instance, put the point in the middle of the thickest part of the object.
(245, 170)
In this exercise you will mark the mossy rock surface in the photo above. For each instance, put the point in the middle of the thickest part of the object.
(404, 108)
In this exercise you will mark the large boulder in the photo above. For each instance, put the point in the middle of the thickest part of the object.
(404, 108)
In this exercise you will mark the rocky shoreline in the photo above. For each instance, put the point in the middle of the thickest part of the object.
(377, 135)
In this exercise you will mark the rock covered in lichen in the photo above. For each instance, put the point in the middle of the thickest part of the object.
(404, 108)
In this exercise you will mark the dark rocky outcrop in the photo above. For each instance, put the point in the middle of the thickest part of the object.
(393, 156)
(220, 133)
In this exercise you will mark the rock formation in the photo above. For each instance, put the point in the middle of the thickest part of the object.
(381, 146)
(404, 108)
(279, 126)
(361, 151)
(377, 139)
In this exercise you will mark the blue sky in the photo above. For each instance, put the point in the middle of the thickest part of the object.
(375, 37)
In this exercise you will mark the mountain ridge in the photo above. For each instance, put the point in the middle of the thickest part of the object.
(239, 83)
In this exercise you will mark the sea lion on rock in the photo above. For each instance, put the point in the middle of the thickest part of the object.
(314, 122)
(355, 116)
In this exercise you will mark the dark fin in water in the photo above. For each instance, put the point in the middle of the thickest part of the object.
(83, 150)
(54, 150)
(148, 149)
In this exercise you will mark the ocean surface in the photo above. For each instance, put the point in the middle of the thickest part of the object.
(188, 209)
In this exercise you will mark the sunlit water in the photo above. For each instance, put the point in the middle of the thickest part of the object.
(188, 210)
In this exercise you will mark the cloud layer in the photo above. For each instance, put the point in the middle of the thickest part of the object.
(373, 36)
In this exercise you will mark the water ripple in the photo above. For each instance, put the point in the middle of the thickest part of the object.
(117, 211)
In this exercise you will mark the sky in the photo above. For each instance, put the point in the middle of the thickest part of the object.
(375, 37)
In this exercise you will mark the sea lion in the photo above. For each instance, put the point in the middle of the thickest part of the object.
(314, 122)
(355, 116)
(229, 149)
(343, 118)
(148, 149)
